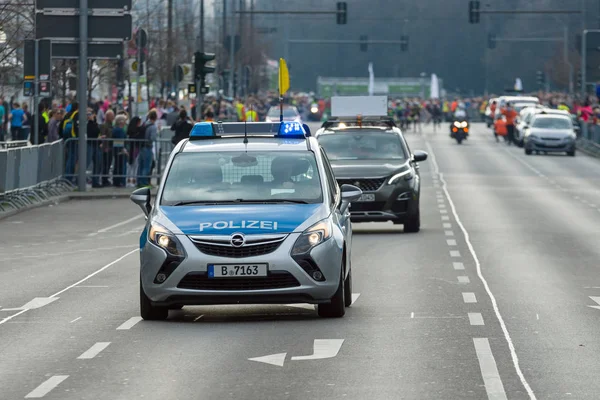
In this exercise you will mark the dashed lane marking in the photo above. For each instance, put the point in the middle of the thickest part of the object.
(469, 297)
(449, 233)
(75, 320)
(108, 228)
(476, 319)
(463, 279)
(129, 323)
(454, 253)
(458, 266)
(445, 218)
(451, 242)
(489, 370)
(511, 346)
(93, 351)
(447, 226)
(46, 387)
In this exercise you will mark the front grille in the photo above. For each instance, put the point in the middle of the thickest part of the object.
(366, 185)
(550, 138)
(367, 206)
(237, 252)
(275, 280)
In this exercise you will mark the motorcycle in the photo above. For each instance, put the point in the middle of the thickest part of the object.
(459, 130)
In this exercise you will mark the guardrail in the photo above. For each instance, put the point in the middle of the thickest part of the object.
(32, 174)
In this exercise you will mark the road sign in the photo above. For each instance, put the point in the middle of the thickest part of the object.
(99, 27)
(92, 4)
(28, 88)
(97, 51)
(44, 89)
(191, 88)
(45, 59)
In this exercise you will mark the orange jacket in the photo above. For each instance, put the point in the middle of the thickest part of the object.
(510, 115)
(500, 127)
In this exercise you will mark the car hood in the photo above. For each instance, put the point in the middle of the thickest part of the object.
(244, 218)
(551, 133)
(365, 168)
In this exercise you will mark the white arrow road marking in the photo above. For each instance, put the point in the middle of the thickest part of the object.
(355, 297)
(37, 302)
(597, 300)
(323, 348)
(273, 359)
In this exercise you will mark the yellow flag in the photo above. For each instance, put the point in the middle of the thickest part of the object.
(284, 77)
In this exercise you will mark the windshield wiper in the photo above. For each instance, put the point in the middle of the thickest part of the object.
(215, 203)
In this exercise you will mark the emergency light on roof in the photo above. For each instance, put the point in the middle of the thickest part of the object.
(208, 130)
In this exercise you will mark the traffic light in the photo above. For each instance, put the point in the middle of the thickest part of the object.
(201, 69)
(474, 7)
(364, 45)
(404, 43)
(579, 80)
(342, 12)
(178, 73)
(491, 41)
(540, 78)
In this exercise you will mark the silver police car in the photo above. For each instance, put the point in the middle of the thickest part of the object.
(246, 214)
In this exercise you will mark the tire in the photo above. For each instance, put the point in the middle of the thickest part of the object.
(413, 223)
(337, 307)
(571, 153)
(528, 152)
(150, 312)
(459, 140)
(348, 289)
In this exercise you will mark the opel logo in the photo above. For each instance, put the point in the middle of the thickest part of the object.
(237, 240)
(357, 184)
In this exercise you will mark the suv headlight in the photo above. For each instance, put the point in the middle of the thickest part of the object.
(406, 174)
(166, 240)
(312, 237)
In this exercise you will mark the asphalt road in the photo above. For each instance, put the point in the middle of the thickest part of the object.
(490, 300)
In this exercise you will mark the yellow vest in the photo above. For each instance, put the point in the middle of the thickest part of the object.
(45, 116)
(251, 116)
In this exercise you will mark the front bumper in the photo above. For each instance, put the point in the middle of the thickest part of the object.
(550, 146)
(392, 203)
(286, 282)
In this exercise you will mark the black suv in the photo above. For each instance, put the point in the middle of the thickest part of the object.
(373, 155)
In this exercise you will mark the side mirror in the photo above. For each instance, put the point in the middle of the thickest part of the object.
(141, 197)
(419, 155)
(350, 193)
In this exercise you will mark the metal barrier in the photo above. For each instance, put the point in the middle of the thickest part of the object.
(119, 162)
(31, 174)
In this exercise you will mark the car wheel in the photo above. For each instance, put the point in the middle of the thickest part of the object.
(571, 153)
(413, 223)
(528, 152)
(348, 289)
(150, 312)
(337, 307)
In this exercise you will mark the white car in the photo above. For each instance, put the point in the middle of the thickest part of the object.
(290, 114)
(526, 116)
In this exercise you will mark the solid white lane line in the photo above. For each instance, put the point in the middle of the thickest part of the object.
(46, 387)
(449, 233)
(75, 320)
(463, 279)
(110, 264)
(511, 346)
(451, 242)
(469, 297)
(454, 253)
(93, 351)
(447, 226)
(476, 319)
(108, 228)
(458, 265)
(91, 286)
(489, 370)
(129, 323)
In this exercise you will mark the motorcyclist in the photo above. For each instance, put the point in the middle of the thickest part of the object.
(461, 112)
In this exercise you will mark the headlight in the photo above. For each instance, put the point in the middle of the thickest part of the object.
(571, 136)
(314, 110)
(457, 124)
(163, 238)
(533, 137)
(464, 124)
(406, 174)
(313, 236)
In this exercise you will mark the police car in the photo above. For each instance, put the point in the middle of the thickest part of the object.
(246, 214)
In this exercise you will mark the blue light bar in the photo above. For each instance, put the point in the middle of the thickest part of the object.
(291, 129)
(202, 130)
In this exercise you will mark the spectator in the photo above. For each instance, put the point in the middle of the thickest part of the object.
(17, 118)
(2, 117)
(106, 145)
(42, 125)
(26, 128)
(135, 132)
(182, 128)
(94, 156)
(146, 156)
(119, 151)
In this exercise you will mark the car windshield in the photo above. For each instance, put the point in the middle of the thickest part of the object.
(364, 145)
(224, 177)
(287, 112)
(552, 123)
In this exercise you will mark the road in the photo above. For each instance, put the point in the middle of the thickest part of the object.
(490, 300)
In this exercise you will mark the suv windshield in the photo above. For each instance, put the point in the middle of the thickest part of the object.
(363, 145)
(196, 178)
(552, 123)
(287, 112)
